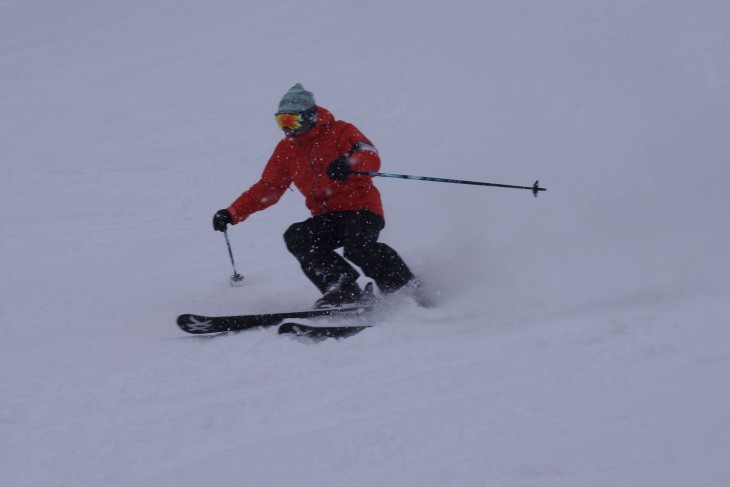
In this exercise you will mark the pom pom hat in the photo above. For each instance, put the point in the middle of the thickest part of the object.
(296, 100)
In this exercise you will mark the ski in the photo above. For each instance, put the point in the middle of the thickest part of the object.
(200, 325)
(320, 332)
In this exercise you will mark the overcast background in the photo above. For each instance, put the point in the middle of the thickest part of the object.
(581, 337)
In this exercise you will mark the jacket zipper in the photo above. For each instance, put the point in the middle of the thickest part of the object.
(315, 179)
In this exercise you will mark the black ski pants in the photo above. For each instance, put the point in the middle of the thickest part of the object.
(313, 243)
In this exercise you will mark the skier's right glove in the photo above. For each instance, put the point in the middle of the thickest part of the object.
(339, 169)
(221, 220)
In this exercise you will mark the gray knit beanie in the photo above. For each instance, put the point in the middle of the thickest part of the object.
(296, 100)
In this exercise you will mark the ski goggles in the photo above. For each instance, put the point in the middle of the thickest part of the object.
(289, 121)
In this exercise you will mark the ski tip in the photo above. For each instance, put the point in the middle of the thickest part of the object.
(320, 332)
(285, 328)
(194, 324)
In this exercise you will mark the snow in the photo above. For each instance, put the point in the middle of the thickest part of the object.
(581, 337)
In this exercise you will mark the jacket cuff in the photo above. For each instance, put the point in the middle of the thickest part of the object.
(235, 216)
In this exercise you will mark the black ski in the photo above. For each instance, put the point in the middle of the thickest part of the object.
(320, 332)
(200, 325)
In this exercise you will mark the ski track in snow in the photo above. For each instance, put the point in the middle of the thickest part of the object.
(580, 338)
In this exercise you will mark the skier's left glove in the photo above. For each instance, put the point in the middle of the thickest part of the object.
(339, 169)
(221, 220)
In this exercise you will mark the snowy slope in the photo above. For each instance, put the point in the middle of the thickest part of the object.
(581, 337)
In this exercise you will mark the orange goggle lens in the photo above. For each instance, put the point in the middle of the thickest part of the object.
(289, 121)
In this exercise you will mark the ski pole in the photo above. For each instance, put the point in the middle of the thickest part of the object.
(535, 187)
(236, 277)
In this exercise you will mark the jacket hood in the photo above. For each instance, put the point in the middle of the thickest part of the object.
(324, 116)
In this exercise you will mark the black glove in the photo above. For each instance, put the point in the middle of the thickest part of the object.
(221, 220)
(339, 169)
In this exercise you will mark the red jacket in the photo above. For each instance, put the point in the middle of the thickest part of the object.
(303, 160)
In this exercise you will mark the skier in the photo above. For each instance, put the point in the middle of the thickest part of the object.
(317, 154)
